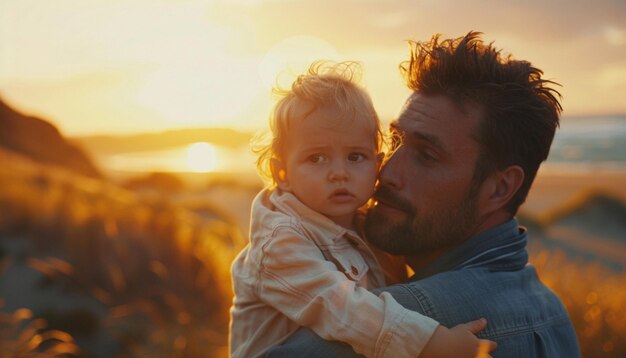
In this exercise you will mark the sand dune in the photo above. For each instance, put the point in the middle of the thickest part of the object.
(553, 189)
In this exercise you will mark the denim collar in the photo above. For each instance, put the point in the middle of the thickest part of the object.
(501, 248)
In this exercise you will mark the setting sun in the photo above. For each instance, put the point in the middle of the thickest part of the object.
(202, 157)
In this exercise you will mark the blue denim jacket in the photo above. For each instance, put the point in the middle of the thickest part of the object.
(486, 276)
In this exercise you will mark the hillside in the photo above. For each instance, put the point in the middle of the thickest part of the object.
(40, 141)
(590, 226)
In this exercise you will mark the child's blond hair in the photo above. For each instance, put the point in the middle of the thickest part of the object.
(324, 85)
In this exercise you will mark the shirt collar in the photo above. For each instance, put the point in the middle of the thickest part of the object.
(501, 248)
(290, 204)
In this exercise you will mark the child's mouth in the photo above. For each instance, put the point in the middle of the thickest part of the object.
(341, 196)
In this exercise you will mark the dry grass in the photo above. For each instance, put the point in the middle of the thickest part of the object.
(594, 296)
(156, 272)
(21, 336)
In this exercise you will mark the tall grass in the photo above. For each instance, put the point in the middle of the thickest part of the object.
(150, 278)
(595, 298)
(21, 336)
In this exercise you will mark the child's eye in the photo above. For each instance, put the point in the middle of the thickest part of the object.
(316, 158)
(356, 157)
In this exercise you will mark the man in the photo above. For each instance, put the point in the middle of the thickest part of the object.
(468, 145)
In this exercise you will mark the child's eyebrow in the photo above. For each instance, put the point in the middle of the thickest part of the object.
(314, 148)
(360, 147)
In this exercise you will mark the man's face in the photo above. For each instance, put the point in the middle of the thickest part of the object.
(426, 199)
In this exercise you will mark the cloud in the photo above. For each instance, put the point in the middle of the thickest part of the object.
(615, 36)
(353, 24)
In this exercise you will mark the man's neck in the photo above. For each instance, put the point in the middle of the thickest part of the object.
(419, 261)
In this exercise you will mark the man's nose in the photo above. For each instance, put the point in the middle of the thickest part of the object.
(391, 171)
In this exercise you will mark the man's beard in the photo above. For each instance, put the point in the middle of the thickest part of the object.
(421, 232)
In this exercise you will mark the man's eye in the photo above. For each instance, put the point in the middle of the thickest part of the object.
(426, 156)
(356, 157)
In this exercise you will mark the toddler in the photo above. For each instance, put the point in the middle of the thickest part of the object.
(306, 263)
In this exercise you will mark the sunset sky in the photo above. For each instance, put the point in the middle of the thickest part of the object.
(126, 66)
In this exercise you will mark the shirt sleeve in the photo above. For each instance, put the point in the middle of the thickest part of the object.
(296, 279)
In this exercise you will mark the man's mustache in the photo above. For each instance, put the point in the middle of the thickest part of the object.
(388, 196)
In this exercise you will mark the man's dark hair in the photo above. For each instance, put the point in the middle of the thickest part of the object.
(520, 111)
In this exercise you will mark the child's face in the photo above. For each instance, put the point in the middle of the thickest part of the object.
(331, 169)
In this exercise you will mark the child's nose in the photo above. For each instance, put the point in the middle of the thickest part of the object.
(338, 172)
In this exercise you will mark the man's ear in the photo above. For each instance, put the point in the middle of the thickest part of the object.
(279, 174)
(500, 187)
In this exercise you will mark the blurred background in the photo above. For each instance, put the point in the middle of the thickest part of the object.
(126, 174)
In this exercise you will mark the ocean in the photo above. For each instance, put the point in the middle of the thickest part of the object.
(589, 144)
(592, 143)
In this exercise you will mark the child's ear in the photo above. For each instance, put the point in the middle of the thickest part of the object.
(279, 174)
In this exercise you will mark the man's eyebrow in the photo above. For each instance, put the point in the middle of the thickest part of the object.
(433, 140)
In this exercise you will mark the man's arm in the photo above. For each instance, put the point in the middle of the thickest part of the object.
(304, 343)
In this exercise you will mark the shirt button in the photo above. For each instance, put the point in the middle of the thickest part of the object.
(354, 270)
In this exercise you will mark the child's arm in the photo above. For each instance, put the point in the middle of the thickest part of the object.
(296, 279)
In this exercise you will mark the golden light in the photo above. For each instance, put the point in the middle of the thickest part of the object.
(291, 57)
(202, 157)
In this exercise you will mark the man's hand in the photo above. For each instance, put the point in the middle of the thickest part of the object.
(459, 341)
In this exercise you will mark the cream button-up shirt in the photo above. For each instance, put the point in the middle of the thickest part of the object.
(302, 269)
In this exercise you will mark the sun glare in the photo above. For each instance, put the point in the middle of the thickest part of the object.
(292, 56)
(202, 157)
